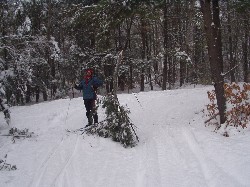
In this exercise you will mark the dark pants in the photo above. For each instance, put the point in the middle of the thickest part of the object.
(91, 110)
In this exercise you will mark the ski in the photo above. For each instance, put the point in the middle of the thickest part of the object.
(86, 127)
(76, 130)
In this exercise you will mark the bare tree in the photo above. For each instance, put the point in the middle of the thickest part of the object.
(213, 35)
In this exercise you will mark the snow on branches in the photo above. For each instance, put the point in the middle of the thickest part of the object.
(117, 124)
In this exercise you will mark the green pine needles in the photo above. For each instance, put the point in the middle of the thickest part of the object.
(117, 124)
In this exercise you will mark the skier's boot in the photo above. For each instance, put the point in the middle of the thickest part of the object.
(90, 120)
(95, 118)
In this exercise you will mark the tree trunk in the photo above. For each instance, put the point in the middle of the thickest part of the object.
(37, 93)
(190, 41)
(131, 76)
(109, 72)
(182, 72)
(165, 36)
(144, 51)
(170, 73)
(213, 35)
(245, 52)
(150, 79)
(142, 80)
(121, 81)
(45, 95)
(128, 30)
(118, 63)
(231, 58)
(51, 61)
(28, 93)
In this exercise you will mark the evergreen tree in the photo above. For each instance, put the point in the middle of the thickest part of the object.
(117, 124)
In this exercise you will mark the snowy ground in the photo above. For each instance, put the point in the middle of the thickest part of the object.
(175, 148)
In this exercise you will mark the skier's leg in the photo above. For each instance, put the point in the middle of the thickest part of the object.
(88, 103)
(95, 118)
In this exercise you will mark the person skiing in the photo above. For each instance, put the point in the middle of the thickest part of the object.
(89, 86)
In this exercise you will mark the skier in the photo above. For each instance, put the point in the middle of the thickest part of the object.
(89, 86)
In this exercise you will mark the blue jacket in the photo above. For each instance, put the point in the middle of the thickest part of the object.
(88, 89)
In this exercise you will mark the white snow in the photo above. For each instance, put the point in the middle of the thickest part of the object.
(26, 26)
(175, 148)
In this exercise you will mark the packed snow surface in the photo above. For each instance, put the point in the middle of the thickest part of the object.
(175, 148)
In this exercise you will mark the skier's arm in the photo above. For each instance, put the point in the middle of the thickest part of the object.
(97, 82)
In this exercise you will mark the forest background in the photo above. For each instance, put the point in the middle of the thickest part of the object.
(45, 45)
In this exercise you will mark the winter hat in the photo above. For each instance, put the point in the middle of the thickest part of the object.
(89, 70)
(87, 77)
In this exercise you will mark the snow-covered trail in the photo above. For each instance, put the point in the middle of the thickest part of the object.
(173, 149)
(172, 154)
